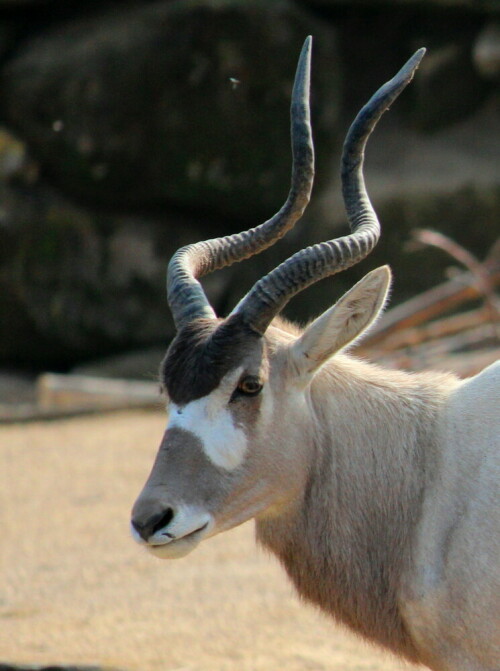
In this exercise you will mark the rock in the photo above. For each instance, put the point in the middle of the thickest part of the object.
(474, 5)
(447, 89)
(183, 103)
(141, 364)
(76, 283)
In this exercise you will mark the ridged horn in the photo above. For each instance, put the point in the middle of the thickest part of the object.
(272, 292)
(186, 297)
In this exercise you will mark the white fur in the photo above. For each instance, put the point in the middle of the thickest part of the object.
(210, 420)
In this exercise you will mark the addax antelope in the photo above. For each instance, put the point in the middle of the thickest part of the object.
(378, 490)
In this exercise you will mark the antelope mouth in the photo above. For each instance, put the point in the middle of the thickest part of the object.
(174, 547)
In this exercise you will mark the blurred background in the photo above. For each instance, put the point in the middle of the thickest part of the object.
(130, 128)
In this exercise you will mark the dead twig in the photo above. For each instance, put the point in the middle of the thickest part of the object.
(429, 305)
(467, 259)
(447, 326)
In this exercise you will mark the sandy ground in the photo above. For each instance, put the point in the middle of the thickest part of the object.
(75, 589)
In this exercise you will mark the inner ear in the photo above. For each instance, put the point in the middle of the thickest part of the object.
(343, 323)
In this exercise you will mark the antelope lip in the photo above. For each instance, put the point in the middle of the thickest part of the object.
(177, 547)
(173, 539)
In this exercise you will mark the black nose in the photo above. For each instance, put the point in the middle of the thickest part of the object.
(153, 523)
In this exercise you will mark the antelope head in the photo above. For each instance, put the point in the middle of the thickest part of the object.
(238, 388)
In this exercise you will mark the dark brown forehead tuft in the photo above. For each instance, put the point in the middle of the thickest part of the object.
(201, 354)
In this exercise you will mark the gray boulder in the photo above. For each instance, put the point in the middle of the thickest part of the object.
(179, 103)
(474, 5)
(75, 282)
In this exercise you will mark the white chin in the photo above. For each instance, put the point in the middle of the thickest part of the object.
(175, 549)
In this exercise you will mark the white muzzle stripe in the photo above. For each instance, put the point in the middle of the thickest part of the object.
(223, 443)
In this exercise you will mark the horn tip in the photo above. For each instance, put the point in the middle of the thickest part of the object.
(413, 63)
(305, 54)
(420, 53)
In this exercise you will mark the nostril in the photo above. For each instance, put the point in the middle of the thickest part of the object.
(164, 520)
(141, 529)
(153, 524)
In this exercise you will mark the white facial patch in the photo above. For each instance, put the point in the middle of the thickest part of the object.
(210, 420)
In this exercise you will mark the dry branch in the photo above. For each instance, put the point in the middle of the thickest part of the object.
(429, 304)
(420, 334)
(411, 337)
(473, 265)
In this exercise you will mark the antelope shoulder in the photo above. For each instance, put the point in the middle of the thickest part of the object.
(456, 568)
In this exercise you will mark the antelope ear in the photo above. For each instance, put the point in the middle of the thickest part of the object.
(341, 324)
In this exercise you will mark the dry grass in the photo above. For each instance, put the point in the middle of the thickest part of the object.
(76, 589)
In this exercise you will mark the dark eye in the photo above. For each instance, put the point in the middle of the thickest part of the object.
(249, 386)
